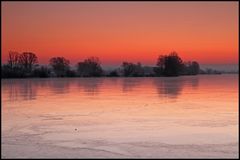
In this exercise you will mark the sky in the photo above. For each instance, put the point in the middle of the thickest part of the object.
(206, 32)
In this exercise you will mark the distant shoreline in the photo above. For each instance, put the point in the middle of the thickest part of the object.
(25, 65)
(119, 76)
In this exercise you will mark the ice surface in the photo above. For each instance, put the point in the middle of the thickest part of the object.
(177, 117)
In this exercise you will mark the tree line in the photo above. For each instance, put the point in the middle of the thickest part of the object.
(26, 65)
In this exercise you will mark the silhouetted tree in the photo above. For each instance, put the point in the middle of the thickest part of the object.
(195, 68)
(60, 66)
(169, 65)
(90, 67)
(13, 59)
(12, 69)
(131, 69)
(28, 60)
(127, 68)
(191, 68)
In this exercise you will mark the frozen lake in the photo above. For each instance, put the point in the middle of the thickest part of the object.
(177, 117)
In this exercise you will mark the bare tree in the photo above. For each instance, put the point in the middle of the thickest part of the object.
(13, 59)
(28, 60)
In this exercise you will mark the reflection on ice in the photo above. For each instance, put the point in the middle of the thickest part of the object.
(172, 87)
(90, 85)
(28, 89)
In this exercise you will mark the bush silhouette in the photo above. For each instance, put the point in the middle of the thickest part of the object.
(42, 72)
(60, 66)
(90, 67)
(169, 65)
(132, 70)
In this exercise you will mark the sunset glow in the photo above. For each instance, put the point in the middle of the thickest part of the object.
(122, 31)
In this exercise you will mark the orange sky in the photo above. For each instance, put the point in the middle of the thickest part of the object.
(116, 31)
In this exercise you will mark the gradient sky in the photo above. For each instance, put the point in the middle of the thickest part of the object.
(122, 31)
